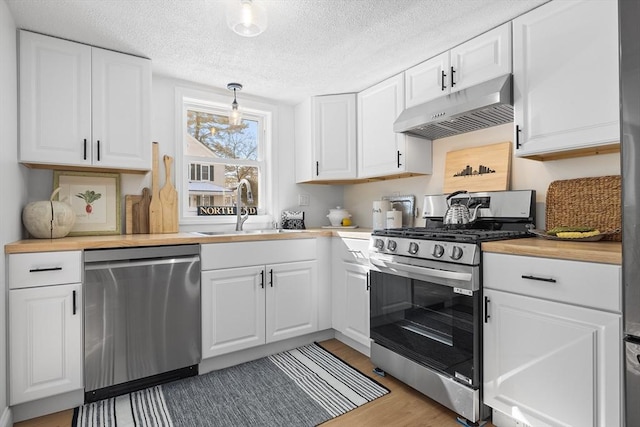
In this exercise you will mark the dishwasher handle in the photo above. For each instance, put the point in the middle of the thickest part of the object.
(99, 265)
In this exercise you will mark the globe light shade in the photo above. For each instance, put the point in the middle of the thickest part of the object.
(246, 18)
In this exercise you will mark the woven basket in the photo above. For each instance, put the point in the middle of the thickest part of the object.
(591, 202)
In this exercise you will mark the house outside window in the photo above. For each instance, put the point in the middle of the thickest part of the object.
(216, 156)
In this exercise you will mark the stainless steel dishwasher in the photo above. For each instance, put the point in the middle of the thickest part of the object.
(141, 318)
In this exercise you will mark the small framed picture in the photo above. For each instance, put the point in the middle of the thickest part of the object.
(94, 198)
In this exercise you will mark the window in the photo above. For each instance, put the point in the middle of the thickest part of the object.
(216, 156)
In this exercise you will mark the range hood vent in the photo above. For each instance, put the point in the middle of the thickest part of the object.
(484, 105)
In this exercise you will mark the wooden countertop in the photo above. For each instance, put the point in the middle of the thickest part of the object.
(603, 252)
(131, 240)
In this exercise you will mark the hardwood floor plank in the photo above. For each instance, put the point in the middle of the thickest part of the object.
(404, 406)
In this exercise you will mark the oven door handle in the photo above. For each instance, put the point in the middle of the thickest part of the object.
(421, 271)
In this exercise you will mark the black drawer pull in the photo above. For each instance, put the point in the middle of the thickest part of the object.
(75, 306)
(38, 270)
(541, 279)
(486, 310)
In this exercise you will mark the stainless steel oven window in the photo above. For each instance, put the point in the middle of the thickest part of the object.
(435, 325)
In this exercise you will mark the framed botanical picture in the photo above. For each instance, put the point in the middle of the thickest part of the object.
(94, 198)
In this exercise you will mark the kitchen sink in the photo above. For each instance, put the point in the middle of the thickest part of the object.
(234, 232)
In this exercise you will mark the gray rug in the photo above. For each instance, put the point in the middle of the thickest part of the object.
(302, 387)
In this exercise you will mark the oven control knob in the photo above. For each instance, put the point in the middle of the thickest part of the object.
(413, 248)
(456, 252)
(438, 251)
(379, 244)
(391, 245)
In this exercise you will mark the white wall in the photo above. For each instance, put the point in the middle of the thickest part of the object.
(12, 178)
(525, 174)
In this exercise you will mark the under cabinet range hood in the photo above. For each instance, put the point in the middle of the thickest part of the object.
(477, 107)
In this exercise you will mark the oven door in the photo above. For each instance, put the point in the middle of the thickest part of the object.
(429, 314)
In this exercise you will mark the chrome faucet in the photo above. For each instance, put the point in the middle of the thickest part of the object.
(240, 219)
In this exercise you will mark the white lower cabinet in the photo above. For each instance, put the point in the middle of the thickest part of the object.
(350, 299)
(45, 341)
(356, 321)
(243, 307)
(548, 362)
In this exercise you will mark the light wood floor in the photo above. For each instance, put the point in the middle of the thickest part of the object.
(402, 407)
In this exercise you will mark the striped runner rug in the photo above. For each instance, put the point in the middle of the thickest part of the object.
(302, 387)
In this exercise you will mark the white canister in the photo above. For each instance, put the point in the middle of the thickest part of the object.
(380, 209)
(394, 219)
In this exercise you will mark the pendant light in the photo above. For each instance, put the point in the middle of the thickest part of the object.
(235, 116)
(246, 17)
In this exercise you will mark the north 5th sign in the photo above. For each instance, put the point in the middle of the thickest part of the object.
(225, 210)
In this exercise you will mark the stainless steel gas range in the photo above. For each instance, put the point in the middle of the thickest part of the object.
(426, 295)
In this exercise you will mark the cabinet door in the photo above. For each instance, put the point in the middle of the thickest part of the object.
(481, 59)
(335, 136)
(427, 81)
(45, 341)
(356, 319)
(565, 68)
(233, 310)
(381, 151)
(55, 100)
(121, 110)
(558, 364)
(291, 307)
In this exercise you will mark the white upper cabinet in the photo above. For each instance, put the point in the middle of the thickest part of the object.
(381, 151)
(326, 138)
(82, 106)
(427, 80)
(475, 61)
(565, 67)
(121, 89)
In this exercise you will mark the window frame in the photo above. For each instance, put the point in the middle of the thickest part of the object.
(187, 98)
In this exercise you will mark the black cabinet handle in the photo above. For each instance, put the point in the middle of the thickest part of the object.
(452, 82)
(486, 310)
(262, 279)
(541, 279)
(85, 149)
(98, 150)
(399, 154)
(518, 130)
(75, 307)
(271, 277)
(39, 270)
(443, 75)
(317, 168)
(368, 280)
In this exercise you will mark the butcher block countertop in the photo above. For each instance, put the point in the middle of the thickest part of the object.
(131, 240)
(603, 252)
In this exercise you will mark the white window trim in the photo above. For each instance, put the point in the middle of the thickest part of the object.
(268, 189)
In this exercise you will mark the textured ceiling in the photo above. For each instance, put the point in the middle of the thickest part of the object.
(311, 47)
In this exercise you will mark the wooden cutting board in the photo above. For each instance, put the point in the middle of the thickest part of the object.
(131, 200)
(142, 213)
(155, 207)
(169, 200)
(485, 168)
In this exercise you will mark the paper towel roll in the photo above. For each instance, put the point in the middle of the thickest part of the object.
(394, 219)
(380, 209)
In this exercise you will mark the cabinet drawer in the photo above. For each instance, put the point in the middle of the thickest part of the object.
(243, 254)
(44, 268)
(352, 250)
(572, 282)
